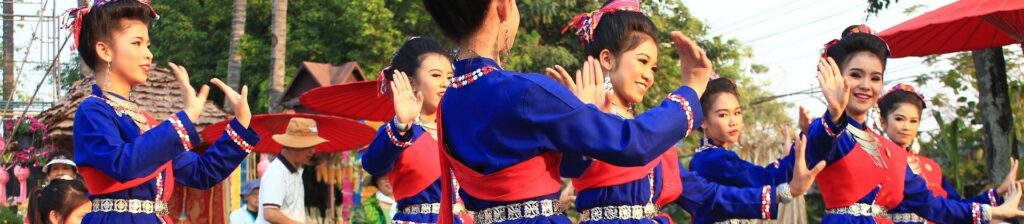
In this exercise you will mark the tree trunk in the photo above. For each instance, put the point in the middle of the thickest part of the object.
(234, 57)
(8, 19)
(997, 119)
(279, 36)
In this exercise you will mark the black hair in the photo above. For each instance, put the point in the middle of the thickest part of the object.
(858, 42)
(888, 103)
(714, 89)
(61, 196)
(849, 30)
(458, 18)
(409, 57)
(102, 21)
(373, 180)
(620, 31)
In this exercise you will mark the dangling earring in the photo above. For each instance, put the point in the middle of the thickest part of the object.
(607, 82)
(704, 139)
(508, 47)
(107, 85)
(915, 146)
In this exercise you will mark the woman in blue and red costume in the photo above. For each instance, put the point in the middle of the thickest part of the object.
(716, 162)
(129, 160)
(901, 109)
(621, 39)
(506, 132)
(868, 174)
(405, 149)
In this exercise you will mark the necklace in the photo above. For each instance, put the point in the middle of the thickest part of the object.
(870, 144)
(126, 107)
(430, 127)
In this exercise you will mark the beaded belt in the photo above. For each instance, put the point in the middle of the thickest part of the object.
(134, 206)
(431, 208)
(619, 212)
(741, 221)
(860, 209)
(907, 217)
(522, 210)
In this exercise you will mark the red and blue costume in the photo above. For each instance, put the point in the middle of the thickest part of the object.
(412, 165)
(931, 172)
(725, 167)
(507, 134)
(867, 175)
(130, 166)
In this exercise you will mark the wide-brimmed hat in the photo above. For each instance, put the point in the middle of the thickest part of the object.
(301, 133)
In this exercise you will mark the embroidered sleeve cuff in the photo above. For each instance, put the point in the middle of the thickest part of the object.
(980, 213)
(185, 129)
(993, 197)
(396, 137)
(688, 100)
(766, 202)
(830, 127)
(244, 138)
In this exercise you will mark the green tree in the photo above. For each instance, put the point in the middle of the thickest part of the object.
(194, 34)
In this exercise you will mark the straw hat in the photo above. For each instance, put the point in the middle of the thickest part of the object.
(301, 133)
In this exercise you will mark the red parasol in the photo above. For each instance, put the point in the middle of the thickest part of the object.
(342, 134)
(961, 26)
(361, 100)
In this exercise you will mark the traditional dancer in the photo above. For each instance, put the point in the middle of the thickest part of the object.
(506, 132)
(621, 38)
(405, 149)
(128, 159)
(716, 162)
(868, 174)
(901, 109)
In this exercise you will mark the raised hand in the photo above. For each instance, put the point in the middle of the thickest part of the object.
(590, 84)
(802, 177)
(408, 102)
(1010, 207)
(1010, 179)
(238, 101)
(694, 64)
(194, 102)
(559, 74)
(834, 87)
(805, 120)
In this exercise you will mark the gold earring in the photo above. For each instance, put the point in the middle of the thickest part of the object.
(108, 75)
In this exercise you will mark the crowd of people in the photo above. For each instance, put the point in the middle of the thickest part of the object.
(518, 147)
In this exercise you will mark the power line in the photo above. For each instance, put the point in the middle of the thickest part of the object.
(772, 17)
(741, 21)
(804, 24)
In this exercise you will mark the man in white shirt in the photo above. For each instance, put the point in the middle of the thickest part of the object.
(281, 191)
(247, 213)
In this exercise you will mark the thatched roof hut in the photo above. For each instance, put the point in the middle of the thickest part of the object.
(312, 75)
(160, 96)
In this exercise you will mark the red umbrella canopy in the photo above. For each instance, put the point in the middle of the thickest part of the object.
(361, 100)
(341, 134)
(961, 26)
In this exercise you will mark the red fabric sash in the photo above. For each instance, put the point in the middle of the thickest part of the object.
(851, 178)
(537, 176)
(444, 216)
(99, 183)
(416, 169)
(932, 174)
(601, 174)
